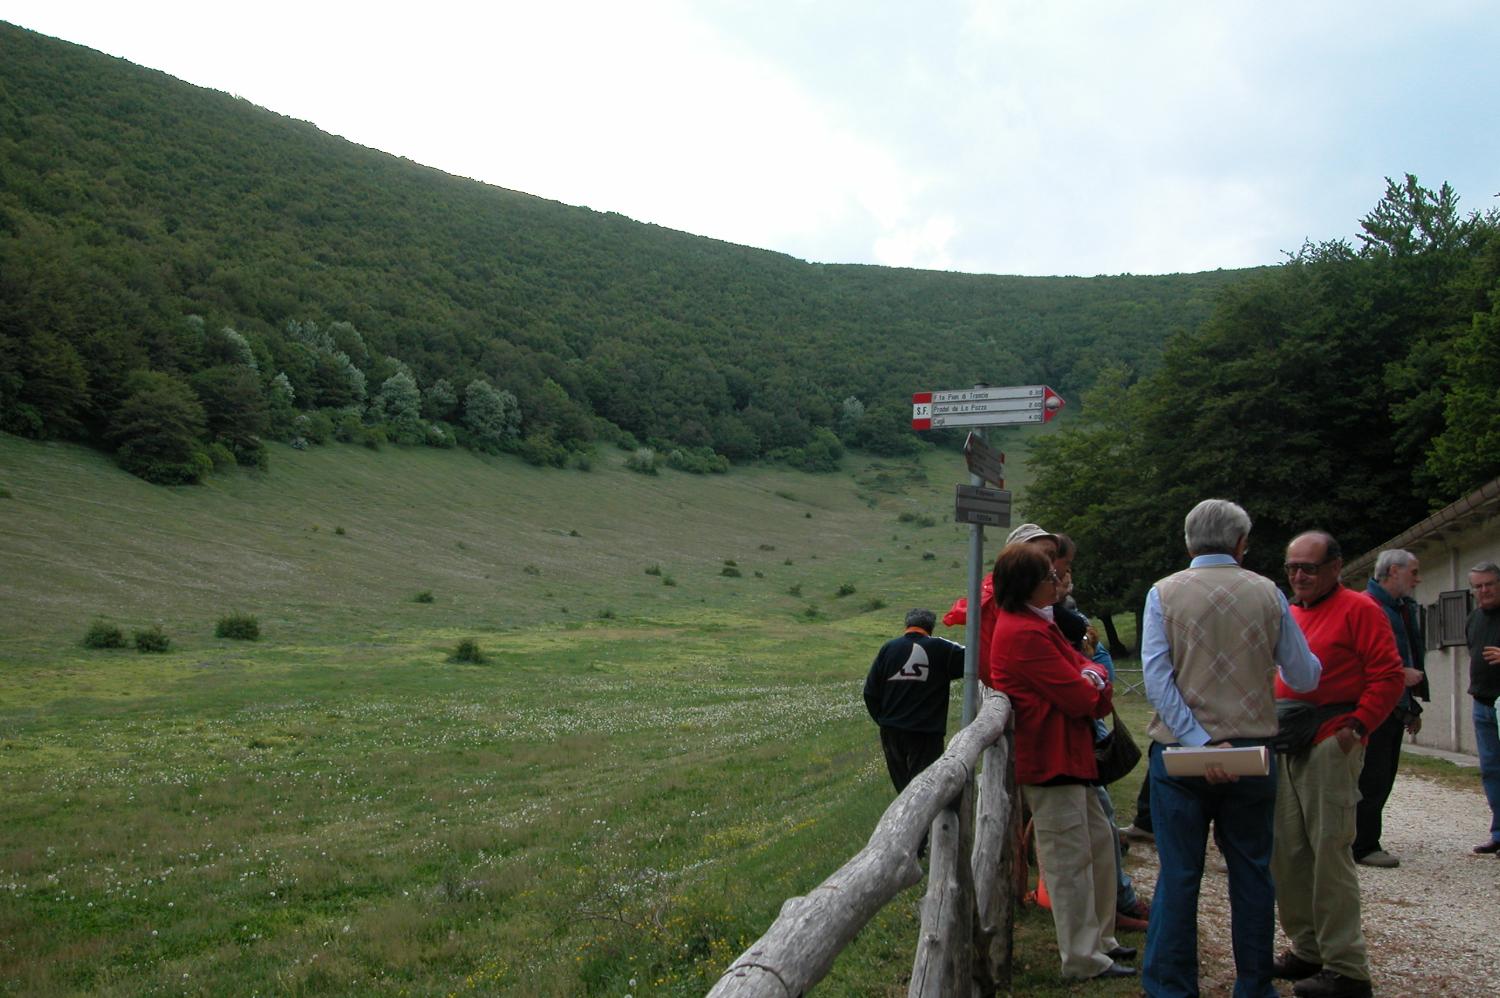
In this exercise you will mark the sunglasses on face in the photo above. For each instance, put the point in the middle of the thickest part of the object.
(1304, 567)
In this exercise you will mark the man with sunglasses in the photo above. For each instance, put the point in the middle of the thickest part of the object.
(1317, 885)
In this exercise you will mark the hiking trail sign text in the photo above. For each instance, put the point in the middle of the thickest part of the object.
(984, 407)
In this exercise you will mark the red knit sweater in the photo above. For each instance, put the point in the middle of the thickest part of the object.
(1351, 636)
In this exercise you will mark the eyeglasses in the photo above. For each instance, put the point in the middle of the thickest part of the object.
(1305, 567)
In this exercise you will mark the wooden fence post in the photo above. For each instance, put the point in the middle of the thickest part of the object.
(801, 945)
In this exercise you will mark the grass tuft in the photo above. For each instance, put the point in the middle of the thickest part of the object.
(152, 640)
(468, 651)
(239, 627)
(103, 634)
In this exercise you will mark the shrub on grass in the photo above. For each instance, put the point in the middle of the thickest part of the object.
(920, 519)
(667, 580)
(643, 461)
(5, 494)
(846, 589)
(531, 569)
(425, 596)
(152, 640)
(339, 530)
(928, 556)
(874, 603)
(730, 571)
(606, 614)
(103, 634)
(731, 562)
(653, 570)
(239, 626)
(467, 651)
(795, 590)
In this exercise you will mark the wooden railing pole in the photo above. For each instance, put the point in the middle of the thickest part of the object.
(801, 945)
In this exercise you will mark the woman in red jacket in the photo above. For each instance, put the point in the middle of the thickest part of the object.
(1056, 694)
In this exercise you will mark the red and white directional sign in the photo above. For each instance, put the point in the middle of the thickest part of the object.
(984, 407)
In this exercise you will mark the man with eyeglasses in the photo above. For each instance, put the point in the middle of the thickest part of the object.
(1484, 687)
(1317, 885)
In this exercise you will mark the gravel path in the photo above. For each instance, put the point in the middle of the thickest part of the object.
(1429, 922)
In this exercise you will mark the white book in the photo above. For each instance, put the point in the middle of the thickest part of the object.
(1250, 760)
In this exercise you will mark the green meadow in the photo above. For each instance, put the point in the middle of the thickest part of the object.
(663, 741)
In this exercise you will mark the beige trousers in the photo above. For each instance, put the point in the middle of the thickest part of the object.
(1317, 885)
(1078, 861)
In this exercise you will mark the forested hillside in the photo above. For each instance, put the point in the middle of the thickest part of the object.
(184, 274)
(1352, 389)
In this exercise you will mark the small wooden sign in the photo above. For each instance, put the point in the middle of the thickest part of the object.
(986, 507)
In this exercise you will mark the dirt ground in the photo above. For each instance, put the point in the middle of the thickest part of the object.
(1430, 923)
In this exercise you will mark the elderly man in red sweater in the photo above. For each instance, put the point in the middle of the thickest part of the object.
(1317, 886)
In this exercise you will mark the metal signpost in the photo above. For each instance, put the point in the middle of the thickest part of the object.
(974, 504)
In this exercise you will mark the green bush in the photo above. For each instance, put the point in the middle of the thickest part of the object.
(730, 571)
(667, 580)
(920, 519)
(339, 531)
(152, 640)
(697, 461)
(221, 456)
(103, 634)
(653, 570)
(795, 590)
(425, 596)
(467, 651)
(643, 461)
(846, 589)
(239, 627)
(874, 603)
(606, 614)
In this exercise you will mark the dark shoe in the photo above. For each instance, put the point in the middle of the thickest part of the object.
(1124, 923)
(1137, 834)
(1121, 953)
(1485, 848)
(1328, 984)
(1291, 967)
(1379, 858)
(1115, 970)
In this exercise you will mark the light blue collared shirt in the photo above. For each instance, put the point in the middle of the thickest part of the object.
(1299, 667)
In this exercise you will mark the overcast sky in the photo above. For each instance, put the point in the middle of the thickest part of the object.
(990, 136)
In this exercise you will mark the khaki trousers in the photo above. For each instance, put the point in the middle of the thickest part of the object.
(1317, 885)
(1077, 859)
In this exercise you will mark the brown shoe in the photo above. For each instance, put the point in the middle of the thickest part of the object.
(1291, 967)
(1485, 848)
(1329, 984)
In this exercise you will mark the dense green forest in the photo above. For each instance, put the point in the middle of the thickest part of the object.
(184, 274)
(1352, 389)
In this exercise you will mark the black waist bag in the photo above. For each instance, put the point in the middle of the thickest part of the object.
(1297, 721)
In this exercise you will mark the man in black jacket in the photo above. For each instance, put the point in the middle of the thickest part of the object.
(906, 694)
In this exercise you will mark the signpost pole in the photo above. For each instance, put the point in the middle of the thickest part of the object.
(972, 634)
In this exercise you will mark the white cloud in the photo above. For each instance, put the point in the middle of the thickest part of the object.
(990, 135)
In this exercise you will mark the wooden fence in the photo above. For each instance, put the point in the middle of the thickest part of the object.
(964, 947)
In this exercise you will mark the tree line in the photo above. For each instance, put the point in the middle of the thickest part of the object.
(184, 276)
(1351, 389)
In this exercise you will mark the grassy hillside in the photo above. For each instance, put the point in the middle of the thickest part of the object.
(606, 805)
(340, 539)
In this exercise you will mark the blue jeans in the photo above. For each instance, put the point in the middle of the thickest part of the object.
(1243, 815)
(1487, 741)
